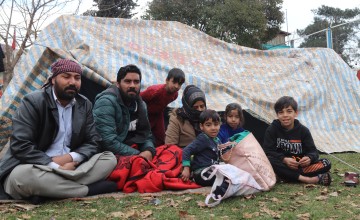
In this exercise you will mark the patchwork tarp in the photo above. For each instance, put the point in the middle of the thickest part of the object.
(327, 90)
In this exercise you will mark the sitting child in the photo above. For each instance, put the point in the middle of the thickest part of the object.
(234, 120)
(204, 148)
(291, 149)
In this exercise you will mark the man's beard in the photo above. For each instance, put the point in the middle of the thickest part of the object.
(128, 98)
(63, 94)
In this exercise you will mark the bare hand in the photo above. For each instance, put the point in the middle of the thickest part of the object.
(69, 166)
(146, 154)
(63, 159)
(185, 175)
(305, 161)
(291, 163)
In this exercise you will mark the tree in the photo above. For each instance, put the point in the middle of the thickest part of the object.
(244, 22)
(33, 14)
(113, 8)
(325, 17)
(190, 12)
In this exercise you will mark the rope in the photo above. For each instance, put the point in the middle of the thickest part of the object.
(344, 162)
(299, 38)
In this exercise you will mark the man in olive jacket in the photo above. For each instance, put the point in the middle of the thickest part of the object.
(121, 116)
(53, 148)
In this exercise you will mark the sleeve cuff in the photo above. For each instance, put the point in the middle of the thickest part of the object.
(152, 150)
(186, 163)
(311, 158)
(53, 165)
(76, 157)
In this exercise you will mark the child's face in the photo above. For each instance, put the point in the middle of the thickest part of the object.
(286, 117)
(233, 119)
(210, 128)
(171, 86)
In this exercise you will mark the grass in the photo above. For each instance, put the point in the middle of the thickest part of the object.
(284, 201)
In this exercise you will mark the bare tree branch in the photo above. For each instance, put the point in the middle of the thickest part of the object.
(34, 14)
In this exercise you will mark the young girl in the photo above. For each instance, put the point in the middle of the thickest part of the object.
(234, 121)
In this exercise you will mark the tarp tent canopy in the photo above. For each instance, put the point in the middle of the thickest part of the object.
(326, 89)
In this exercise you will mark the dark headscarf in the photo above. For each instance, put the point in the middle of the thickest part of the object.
(191, 95)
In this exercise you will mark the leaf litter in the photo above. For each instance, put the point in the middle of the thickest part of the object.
(132, 214)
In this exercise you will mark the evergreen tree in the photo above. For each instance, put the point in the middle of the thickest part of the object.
(113, 8)
(244, 22)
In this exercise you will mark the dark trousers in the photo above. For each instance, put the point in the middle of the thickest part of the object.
(285, 173)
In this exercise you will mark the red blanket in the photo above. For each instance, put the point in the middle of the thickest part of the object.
(135, 173)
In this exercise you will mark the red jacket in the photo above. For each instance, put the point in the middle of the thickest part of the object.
(157, 98)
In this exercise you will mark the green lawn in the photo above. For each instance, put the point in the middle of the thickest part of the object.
(284, 201)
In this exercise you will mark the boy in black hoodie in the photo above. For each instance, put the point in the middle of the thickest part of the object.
(290, 147)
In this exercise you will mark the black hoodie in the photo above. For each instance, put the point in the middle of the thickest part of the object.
(280, 142)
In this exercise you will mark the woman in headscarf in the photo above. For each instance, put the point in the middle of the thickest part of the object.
(184, 122)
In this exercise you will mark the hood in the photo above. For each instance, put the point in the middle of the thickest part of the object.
(111, 90)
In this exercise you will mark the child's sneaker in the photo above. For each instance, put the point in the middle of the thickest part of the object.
(324, 179)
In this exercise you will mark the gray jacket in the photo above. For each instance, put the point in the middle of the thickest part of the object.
(35, 126)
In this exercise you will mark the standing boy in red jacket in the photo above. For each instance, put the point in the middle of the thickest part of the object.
(157, 97)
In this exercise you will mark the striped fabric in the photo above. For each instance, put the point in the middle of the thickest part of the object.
(322, 166)
(327, 90)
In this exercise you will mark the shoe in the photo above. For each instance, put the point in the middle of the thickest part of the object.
(221, 190)
(101, 187)
(37, 200)
(324, 179)
(351, 179)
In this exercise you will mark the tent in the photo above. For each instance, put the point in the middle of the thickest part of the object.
(326, 88)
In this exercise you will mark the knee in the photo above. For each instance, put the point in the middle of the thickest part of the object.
(22, 174)
(21, 182)
(109, 160)
(326, 162)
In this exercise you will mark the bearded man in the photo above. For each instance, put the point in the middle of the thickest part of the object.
(54, 144)
(121, 116)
